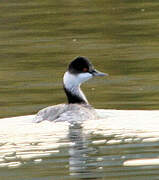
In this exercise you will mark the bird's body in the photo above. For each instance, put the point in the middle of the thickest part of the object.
(67, 112)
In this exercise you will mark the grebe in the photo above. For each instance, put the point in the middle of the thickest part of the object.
(78, 108)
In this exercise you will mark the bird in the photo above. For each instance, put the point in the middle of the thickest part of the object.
(77, 109)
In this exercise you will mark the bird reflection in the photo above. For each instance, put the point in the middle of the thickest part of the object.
(80, 161)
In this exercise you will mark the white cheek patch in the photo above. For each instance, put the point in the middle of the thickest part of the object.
(71, 80)
(82, 77)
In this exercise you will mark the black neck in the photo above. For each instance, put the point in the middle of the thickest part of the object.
(73, 98)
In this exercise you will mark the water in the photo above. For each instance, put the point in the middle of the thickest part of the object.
(115, 147)
(37, 41)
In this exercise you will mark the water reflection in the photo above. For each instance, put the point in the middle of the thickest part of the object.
(120, 145)
(80, 154)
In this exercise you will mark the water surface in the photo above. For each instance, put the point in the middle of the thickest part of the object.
(37, 41)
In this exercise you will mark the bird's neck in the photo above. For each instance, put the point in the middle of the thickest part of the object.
(75, 95)
(72, 89)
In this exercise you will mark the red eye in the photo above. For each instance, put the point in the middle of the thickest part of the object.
(85, 69)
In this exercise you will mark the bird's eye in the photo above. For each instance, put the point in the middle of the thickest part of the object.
(85, 69)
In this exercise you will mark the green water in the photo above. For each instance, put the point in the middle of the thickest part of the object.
(39, 38)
